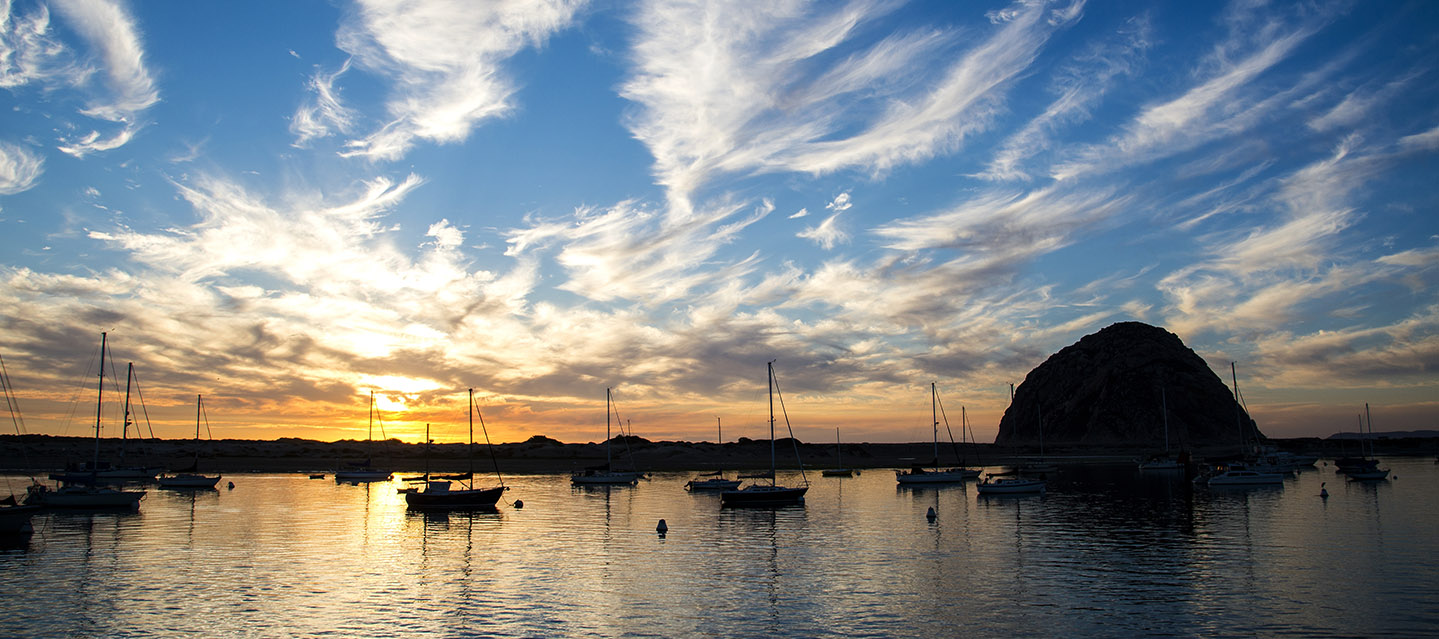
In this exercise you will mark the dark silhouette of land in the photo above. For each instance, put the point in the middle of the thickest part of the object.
(544, 455)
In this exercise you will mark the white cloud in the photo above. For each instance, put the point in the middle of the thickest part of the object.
(20, 168)
(740, 87)
(111, 31)
(1219, 106)
(827, 234)
(444, 59)
(323, 112)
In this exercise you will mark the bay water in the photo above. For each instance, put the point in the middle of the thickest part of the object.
(1106, 551)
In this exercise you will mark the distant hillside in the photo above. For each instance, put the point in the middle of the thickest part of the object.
(1105, 390)
(1393, 434)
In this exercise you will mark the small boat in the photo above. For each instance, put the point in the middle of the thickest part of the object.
(1368, 475)
(191, 479)
(317, 476)
(1010, 486)
(715, 480)
(1366, 468)
(839, 456)
(84, 491)
(771, 494)
(1240, 477)
(365, 471)
(15, 517)
(937, 475)
(103, 472)
(605, 475)
(1165, 460)
(440, 494)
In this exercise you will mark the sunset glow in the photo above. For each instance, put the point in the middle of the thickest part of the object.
(284, 207)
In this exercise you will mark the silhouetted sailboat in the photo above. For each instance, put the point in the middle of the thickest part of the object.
(839, 458)
(918, 474)
(14, 516)
(438, 494)
(716, 480)
(772, 494)
(605, 475)
(1367, 469)
(97, 471)
(365, 471)
(190, 477)
(1164, 461)
(82, 491)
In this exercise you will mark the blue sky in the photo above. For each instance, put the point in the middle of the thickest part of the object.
(286, 205)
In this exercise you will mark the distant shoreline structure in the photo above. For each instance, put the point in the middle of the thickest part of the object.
(539, 454)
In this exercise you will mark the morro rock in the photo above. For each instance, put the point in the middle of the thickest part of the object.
(1108, 389)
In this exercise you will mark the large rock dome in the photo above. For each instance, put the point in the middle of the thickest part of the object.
(1107, 389)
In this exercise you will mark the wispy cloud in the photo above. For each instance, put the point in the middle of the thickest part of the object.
(322, 113)
(744, 88)
(20, 168)
(1223, 104)
(444, 60)
(1078, 88)
(111, 31)
(631, 252)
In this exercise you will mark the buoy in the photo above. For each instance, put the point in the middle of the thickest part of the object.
(930, 515)
(230, 485)
(662, 528)
(519, 504)
(1323, 492)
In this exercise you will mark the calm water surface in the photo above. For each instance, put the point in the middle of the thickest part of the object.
(1106, 552)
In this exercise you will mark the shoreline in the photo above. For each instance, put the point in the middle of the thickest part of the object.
(540, 455)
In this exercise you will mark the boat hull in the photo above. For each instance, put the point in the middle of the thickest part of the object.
(75, 497)
(107, 476)
(1246, 478)
(188, 481)
(951, 476)
(15, 520)
(435, 499)
(712, 485)
(605, 479)
(1010, 486)
(837, 472)
(362, 475)
(763, 496)
(1368, 475)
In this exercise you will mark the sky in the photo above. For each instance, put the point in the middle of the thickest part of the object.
(286, 206)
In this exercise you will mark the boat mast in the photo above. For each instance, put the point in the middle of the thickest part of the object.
(1238, 410)
(99, 401)
(1164, 408)
(197, 432)
(609, 458)
(125, 428)
(934, 419)
(770, 367)
(470, 449)
(1362, 437)
(370, 430)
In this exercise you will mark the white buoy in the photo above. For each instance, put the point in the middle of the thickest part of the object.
(231, 485)
(930, 515)
(662, 528)
(519, 504)
(1323, 492)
